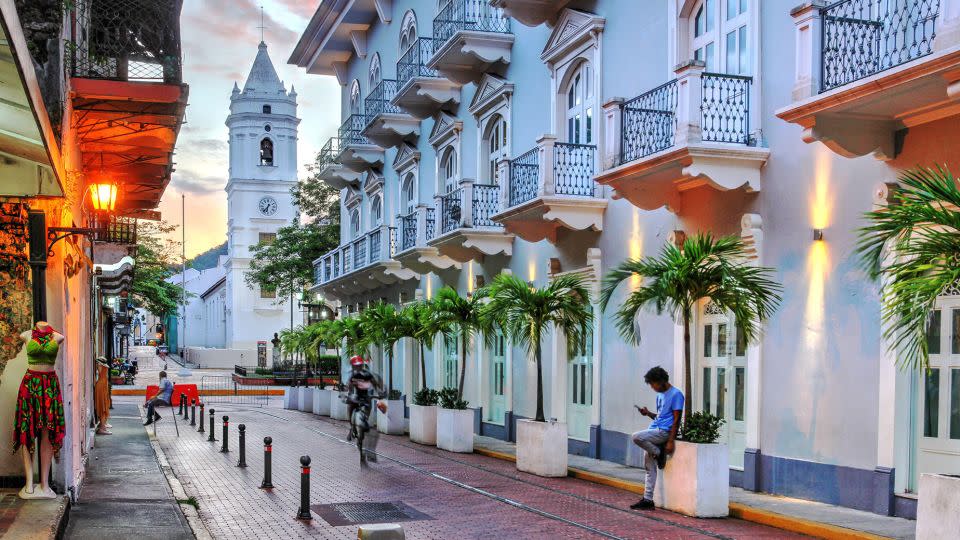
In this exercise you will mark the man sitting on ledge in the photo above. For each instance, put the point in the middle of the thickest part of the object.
(657, 441)
(163, 397)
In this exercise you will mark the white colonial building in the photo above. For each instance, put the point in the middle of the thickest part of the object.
(543, 137)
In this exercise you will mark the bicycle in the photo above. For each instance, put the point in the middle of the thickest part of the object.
(360, 427)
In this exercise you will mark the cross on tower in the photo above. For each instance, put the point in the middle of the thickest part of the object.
(261, 27)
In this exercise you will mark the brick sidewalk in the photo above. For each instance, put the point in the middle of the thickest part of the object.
(232, 506)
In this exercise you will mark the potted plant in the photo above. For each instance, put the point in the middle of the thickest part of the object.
(327, 365)
(454, 423)
(460, 318)
(338, 409)
(423, 417)
(525, 313)
(392, 421)
(696, 479)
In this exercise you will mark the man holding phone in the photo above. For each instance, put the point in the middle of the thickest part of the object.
(657, 441)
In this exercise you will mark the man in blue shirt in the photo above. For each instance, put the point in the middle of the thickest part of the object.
(162, 398)
(657, 441)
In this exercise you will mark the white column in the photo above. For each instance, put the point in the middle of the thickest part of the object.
(595, 260)
(545, 153)
(612, 132)
(808, 38)
(503, 175)
(422, 227)
(751, 231)
(689, 101)
(890, 401)
(466, 202)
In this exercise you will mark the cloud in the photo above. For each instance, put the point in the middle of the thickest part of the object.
(208, 145)
(303, 8)
(188, 181)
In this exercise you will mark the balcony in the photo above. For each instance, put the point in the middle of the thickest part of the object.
(531, 12)
(867, 70)
(466, 230)
(470, 38)
(416, 229)
(690, 133)
(331, 171)
(421, 91)
(357, 152)
(387, 124)
(550, 188)
(360, 265)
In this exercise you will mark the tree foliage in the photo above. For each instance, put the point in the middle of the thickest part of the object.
(316, 199)
(286, 264)
(156, 260)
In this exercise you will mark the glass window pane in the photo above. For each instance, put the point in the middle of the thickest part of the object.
(741, 342)
(739, 387)
(706, 389)
(722, 340)
(732, 52)
(731, 9)
(589, 132)
(955, 332)
(955, 403)
(576, 128)
(931, 403)
(698, 54)
(710, 8)
(933, 332)
(709, 59)
(743, 6)
(721, 391)
(699, 23)
(708, 341)
(576, 379)
(744, 57)
(570, 97)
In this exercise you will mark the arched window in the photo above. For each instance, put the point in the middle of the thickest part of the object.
(719, 34)
(376, 211)
(448, 170)
(495, 139)
(580, 105)
(355, 223)
(266, 109)
(375, 76)
(355, 97)
(408, 31)
(409, 193)
(703, 29)
(266, 152)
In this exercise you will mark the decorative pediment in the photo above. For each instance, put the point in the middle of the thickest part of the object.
(573, 29)
(491, 91)
(373, 182)
(353, 197)
(407, 157)
(445, 127)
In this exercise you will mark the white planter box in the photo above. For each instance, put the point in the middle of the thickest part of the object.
(305, 403)
(423, 424)
(392, 422)
(338, 409)
(696, 481)
(937, 502)
(291, 397)
(321, 401)
(542, 448)
(455, 430)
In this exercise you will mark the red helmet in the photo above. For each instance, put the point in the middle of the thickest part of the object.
(356, 361)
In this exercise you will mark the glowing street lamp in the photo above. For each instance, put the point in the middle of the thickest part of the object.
(103, 196)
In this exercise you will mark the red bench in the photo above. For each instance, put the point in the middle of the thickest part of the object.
(189, 389)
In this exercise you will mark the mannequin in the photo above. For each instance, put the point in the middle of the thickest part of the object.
(39, 409)
(101, 397)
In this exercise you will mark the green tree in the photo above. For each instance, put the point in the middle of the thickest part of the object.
(913, 246)
(285, 264)
(419, 323)
(703, 268)
(318, 200)
(156, 260)
(525, 312)
(460, 318)
(381, 323)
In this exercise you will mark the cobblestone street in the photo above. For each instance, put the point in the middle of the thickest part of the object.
(468, 496)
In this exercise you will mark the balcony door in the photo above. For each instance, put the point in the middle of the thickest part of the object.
(580, 389)
(496, 146)
(719, 32)
(498, 380)
(581, 105)
(450, 379)
(722, 378)
(355, 224)
(448, 170)
(409, 194)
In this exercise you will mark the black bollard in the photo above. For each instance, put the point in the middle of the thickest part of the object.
(304, 512)
(193, 413)
(182, 404)
(226, 424)
(243, 446)
(211, 438)
(186, 406)
(267, 455)
(202, 406)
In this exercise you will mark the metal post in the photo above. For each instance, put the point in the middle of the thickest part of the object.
(193, 413)
(202, 406)
(267, 453)
(243, 446)
(211, 438)
(180, 410)
(186, 408)
(304, 512)
(226, 424)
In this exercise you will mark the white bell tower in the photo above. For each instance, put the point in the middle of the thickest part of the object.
(263, 168)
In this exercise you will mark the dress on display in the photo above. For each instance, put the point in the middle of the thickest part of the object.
(101, 394)
(39, 401)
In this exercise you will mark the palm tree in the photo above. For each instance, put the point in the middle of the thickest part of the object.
(459, 317)
(913, 246)
(703, 268)
(354, 334)
(410, 323)
(425, 333)
(524, 313)
(381, 324)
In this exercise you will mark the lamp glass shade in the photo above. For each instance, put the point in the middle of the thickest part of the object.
(103, 196)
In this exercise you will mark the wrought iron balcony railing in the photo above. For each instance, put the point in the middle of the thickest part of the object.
(331, 149)
(573, 168)
(524, 177)
(375, 246)
(649, 122)
(486, 204)
(553, 168)
(126, 40)
(864, 37)
(378, 102)
(408, 231)
(113, 229)
(469, 206)
(451, 210)
(468, 15)
(431, 224)
(725, 108)
(351, 131)
(413, 62)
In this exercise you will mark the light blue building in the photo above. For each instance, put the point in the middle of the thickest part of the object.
(544, 137)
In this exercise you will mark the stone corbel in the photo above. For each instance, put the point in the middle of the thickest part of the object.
(751, 232)
(851, 139)
(340, 70)
(359, 40)
(384, 10)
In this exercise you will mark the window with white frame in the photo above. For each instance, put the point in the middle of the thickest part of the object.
(375, 74)
(408, 31)
(719, 34)
(495, 140)
(376, 211)
(355, 97)
(409, 191)
(448, 170)
(580, 105)
(355, 224)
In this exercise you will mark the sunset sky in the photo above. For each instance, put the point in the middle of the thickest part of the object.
(220, 40)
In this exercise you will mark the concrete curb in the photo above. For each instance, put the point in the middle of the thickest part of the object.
(737, 510)
(192, 514)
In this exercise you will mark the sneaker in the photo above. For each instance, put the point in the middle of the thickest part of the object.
(643, 504)
(662, 458)
(148, 422)
(156, 417)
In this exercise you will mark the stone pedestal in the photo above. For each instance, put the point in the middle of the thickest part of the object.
(542, 448)
(696, 481)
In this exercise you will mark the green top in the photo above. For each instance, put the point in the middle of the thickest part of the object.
(43, 351)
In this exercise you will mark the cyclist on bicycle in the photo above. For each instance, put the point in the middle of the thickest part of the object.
(362, 386)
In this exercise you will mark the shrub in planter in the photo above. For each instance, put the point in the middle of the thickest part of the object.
(696, 479)
(454, 423)
(423, 417)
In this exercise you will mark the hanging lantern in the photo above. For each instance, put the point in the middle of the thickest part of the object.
(103, 195)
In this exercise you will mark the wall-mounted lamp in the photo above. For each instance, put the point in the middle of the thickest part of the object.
(818, 235)
(103, 196)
